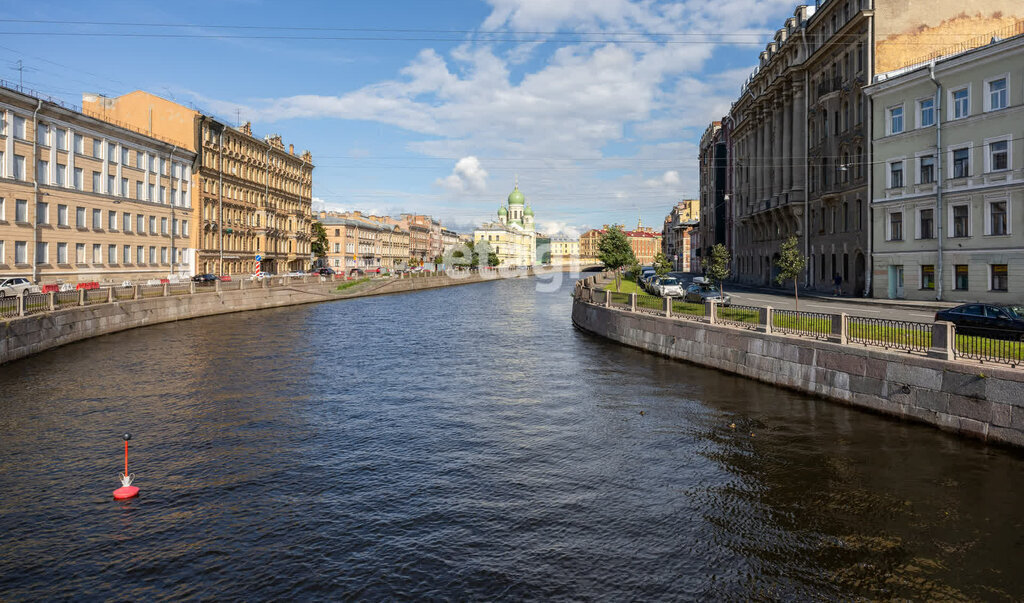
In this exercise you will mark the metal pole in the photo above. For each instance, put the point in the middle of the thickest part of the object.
(35, 191)
(220, 200)
(939, 218)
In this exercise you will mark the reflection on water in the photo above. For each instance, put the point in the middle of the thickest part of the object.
(468, 443)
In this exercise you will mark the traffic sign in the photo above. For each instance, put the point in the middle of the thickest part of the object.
(259, 258)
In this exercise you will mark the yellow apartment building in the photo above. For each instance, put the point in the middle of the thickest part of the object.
(84, 200)
(251, 196)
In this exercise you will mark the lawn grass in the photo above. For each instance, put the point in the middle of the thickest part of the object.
(350, 284)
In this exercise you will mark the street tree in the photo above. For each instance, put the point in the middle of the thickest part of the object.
(791, 264)
(319, 244)
(718, 266)
(615, 252)
(662, 265)
(493, 259)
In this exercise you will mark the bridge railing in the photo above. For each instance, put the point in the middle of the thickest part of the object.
(937, 340)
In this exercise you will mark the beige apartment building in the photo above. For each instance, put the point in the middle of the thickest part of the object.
(84, 200)
(948, 176)
(364, 242)
(252, 196)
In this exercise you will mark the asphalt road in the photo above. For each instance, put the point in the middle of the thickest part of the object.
(911, 311)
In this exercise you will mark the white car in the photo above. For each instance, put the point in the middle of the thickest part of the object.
(670, 287)
(14, 286)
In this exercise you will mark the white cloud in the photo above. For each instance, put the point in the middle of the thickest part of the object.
(467, 176)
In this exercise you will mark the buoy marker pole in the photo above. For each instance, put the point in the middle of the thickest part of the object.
(127, 490)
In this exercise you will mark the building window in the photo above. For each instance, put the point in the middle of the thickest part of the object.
(111, 185)
(42, 252)
(926, 112)
(998, 156)
(111, 152)
(20, 250)
(43, 135)
(961, 103)
(62, 215)
(43, 171)
(42, 212)
(152, 254)
(79, 144)
(97, 219)
(961, 163)
(138, 189)
(960, 274)
(60, 174)
(896, 226)
(62, 139)
(896, 120)
(80, 218)
(140, 255)
(996, 94)
(112, 220)
(961, 221)
(97, 148)
(163, 226)
(126, 222)
(896, 174)
(928, 276)
(126, 254)
(997, 218)
(62, 253)
(19, 131)
(140, 224)
(80, 253)
(19, 167)
(79, 176)
(927, 221)
(152, 225)
(21, 210)
(111, 254)
(124, 187)
(927, 169)
(1000, 277)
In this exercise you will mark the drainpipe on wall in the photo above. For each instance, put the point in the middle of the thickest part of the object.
(35, 190)
(939, 217)
(170, 170)
(869, 268)
(807, 142)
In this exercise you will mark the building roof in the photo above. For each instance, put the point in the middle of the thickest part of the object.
(516, 197)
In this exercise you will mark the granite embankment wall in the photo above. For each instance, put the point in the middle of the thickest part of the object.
(24, 336)
(981, 401)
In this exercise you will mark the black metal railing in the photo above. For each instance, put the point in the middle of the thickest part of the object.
(745, 317)
(989, 345)
(889, 334)
(813, 324)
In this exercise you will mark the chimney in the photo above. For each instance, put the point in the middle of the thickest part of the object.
(291, 149)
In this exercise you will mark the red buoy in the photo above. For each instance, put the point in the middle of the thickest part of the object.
(127, 490)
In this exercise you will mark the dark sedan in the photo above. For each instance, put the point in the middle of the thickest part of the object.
(998, 321)
(205, 278)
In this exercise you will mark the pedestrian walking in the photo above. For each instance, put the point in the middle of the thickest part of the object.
(837, 284)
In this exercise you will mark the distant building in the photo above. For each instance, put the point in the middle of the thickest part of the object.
(364, 242)
(512, 237)
(564, 250)
(543, 250)
(675, 233)
(646, 243)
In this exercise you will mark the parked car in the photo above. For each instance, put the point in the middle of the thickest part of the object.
(205, 278)
(356, 272)
(700, 292)
(15, 285)
(651, 284)
(326, 272)
(998, 321)
(670, 287)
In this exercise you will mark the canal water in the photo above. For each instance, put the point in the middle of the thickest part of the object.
(468, 443)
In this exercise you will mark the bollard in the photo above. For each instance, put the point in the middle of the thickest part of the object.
(766, 317)
(668, 307)
(137, 294)
(943, 339)
(216, 286)
(838, 330)
(21, 302)
(607, 298)
(632, 302)
(53, 301)
(81, 297)
(241, 284)
(166, 289)
(191, 287)
(710, 311)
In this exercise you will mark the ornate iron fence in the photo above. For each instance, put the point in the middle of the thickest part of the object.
(620, 300)
(687, 310)
(8, 306)
(813, 324)
(889, 334)
(63, 299)
(745, 317)
(999, 346)
(124, 293)
(650, 304)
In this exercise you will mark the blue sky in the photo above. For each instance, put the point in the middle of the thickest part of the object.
(432, 107)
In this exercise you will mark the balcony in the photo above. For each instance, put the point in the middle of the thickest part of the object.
(830, 85)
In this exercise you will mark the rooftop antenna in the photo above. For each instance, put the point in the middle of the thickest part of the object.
(238, 117)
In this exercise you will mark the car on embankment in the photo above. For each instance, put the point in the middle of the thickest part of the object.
(996, 321)
(701, 291)
(12, 287)
(670, 287)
